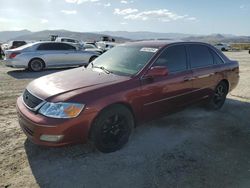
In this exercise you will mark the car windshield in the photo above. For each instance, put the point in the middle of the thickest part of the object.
(124, 60)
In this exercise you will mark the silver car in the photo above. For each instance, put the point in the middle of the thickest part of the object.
(40, 55)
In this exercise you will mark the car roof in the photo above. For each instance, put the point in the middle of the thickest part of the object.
(42, 42)
(160, 43)
(66, 38)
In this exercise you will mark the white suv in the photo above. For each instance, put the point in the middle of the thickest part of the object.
(71, 41)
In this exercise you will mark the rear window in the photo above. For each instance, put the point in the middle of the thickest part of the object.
(200, 56)
(174, 58)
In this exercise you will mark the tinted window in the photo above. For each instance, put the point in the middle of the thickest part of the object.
(200, 56)
(216, 58)
(46, 46)
(55, 46)
(174, 58)
(18, 43)
(69, 40)
(65, 47)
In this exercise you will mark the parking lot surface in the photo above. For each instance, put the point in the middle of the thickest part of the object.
(192, 148)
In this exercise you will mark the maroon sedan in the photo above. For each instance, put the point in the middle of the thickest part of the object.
(131, 83)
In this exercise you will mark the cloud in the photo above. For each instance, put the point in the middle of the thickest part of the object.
(4, 20)
(124, 23)
(44, 21)
(191, 18)
(242, 6)
(107, 4)
(117, 11)
(80, 1)
(126, 2)
(69, 12)
(162, 15)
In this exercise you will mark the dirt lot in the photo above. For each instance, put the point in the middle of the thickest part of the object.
(192, 148)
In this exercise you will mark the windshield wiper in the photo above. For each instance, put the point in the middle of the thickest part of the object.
(102, 68)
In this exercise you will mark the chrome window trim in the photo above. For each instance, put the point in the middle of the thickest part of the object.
(187, 54)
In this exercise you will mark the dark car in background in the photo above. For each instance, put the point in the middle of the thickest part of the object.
(127, 85)
(16, 43)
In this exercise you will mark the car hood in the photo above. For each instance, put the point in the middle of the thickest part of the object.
(70, 80)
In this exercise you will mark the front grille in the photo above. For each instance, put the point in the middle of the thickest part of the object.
(30, 100)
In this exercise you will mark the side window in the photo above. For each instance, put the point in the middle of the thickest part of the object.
(200, 56)
(46, 46)
(174, 58)
(58, 46)
(66, 47)
(70, 47)
(217, 59)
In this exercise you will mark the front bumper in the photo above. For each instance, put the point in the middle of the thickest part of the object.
(35, 125)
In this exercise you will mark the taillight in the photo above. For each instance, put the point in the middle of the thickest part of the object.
(13, 55)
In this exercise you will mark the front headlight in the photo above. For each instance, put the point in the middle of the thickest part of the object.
(61, 110)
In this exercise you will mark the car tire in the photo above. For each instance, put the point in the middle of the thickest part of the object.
(223, 49)
(112, 128)
(36, 65)
(219, 96)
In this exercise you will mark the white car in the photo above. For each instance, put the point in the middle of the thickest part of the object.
(75, 42)
(40, 55)
(92, 47)
(105, 46)
(223, 46)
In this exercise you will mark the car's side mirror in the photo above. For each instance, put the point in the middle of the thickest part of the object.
(157, 71)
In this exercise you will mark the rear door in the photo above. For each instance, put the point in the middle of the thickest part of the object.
(168, 93)
(52, 54)
(205, 70)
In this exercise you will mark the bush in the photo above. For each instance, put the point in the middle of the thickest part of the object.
(241, 46)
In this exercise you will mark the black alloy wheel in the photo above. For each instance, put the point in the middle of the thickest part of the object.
(219, 96)
(112, 128)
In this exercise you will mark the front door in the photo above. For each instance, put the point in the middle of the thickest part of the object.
(165, 94)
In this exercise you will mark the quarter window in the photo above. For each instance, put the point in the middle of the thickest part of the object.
(217, 59)
(174, 58)
(200, 56)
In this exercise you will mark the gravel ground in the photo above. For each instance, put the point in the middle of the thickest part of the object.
(191, 148)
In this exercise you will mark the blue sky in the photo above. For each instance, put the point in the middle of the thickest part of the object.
(181, 16)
